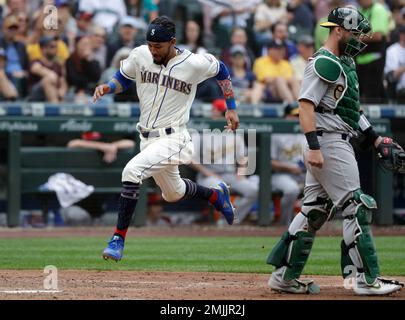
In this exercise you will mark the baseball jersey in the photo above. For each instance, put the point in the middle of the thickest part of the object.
(326, 95)
(166, 93)
(288, 148)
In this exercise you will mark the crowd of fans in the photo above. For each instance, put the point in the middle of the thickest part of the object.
(265, 43)
(59, 50)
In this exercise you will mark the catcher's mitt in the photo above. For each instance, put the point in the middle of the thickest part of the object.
(391, 155)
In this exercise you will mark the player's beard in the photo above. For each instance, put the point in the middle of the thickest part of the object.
(342, 45)
(163, 58)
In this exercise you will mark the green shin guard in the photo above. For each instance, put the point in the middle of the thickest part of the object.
(292, 251)
(346, 263)
(363, 240)
(278, 256)
(300, 251)
(295, 263)
(365, 245)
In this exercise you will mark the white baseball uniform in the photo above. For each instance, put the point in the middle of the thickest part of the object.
(166, 94)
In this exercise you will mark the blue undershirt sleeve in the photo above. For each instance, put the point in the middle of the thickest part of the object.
(124, 82)
(223, 72)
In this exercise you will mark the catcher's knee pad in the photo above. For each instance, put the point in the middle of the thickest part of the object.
(318, 212)
(358, 251)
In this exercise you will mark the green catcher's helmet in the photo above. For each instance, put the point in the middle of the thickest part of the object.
(353, 21)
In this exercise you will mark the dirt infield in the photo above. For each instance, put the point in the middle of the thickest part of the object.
(89, 285)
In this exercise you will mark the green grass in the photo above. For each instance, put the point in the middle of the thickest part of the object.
(221, 254)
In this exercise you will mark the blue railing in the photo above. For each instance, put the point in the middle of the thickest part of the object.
(199, 109)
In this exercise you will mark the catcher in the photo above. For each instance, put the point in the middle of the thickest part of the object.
(330, 116)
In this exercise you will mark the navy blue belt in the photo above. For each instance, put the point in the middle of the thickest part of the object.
(155, 134)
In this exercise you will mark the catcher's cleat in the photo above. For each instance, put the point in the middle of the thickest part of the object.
(292, 286)
(224, 204)
(114, 249)
(380, 286)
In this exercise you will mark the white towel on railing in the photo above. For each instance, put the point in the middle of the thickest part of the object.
(68, 189)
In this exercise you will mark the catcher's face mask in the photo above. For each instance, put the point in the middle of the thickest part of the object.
(355, 43)
(356, 25)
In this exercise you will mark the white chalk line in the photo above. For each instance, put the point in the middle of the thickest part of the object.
(29, 291)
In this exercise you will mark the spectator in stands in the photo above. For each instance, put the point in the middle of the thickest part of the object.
(47, 77)
(276, 74)
(267, 14)
(395, 66)
(398, 14)
(147, 10)
(82, 70)
(34, 49)
(8, 92)
(43, 25)
(220, 148)
(300, 17)
(109, 148)
(83, 23)
(23, 26)
(279, 32)
(129, 95)
(299, 62)
(66, 23)
(14, 7)
(238, 36)
(321, 33)
(232, 13)
(16, 67)
(193, 39)
(370, 62)
(245, 86)
(128, 30)
(321, 8)
(106, 13)
(288, 167)
(99, 47)
(225, 16)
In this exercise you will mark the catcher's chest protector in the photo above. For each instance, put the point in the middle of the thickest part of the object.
(348, 107)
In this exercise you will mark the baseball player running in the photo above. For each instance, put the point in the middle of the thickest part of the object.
(166, 80)
(329, 116)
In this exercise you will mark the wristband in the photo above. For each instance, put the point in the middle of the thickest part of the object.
(112, 86)
(230, 104)
(312, 140)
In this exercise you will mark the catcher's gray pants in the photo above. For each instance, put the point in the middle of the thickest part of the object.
(339, 174)
(336, 180)
(247, 187)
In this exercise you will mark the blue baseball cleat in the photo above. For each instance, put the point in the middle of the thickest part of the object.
(114, 249)
(224, 204)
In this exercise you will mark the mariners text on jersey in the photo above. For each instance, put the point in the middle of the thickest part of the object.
(167, 81)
